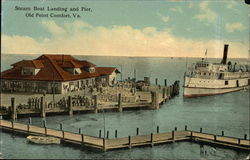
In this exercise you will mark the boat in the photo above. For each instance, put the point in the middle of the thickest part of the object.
(204, 78)
(44, 140)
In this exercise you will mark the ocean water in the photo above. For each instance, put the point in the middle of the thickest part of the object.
(228, 112)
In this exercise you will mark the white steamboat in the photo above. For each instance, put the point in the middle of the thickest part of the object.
(205, 78)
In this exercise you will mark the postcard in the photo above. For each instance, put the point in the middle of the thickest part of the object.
(126, 79)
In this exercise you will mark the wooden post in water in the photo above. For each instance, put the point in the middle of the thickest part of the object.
(215, 138)
(42, 104)
(163, 94)
(165, 82)
(191, 136)
(185, 127)
(100, 133)
(107, 134)
(13, 109)
(175, 128)
(137, 131)
(200, 130)
(245, 136)
(82, 136)
(222, 133)
(120, 102)
(173, 136)
(95, 104)
(156, 81)
(61, 126)
(115, 133)
(152, 139)
(80, 131)
(129, 141)
(104, 144)
(155, 100)
(158, 129)
(70, 105)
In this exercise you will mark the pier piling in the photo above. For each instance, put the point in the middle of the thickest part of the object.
(129, 141)
(82, 137)
(13, 109)
(152, 139)
(70, 105)
(245, 136)
(158, 129)
(200, 130)
(165, 82)
(120, 102)
(80, 131)
(222, 133)
(175, 128)
(107, 134)
(185, 127)
(156, 81)
(137, 131)
(115, 133)
(100, 133)
(173, 136)
(61, 126)
(42, 104)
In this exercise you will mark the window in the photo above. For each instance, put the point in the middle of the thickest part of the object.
(226, 82)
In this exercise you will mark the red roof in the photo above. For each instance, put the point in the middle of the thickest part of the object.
(52, 67)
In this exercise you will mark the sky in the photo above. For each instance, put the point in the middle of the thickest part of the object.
(170, 28)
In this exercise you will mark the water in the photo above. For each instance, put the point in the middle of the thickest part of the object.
(228, 112)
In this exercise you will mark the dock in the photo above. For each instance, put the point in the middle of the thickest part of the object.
(105, 144)
(116, 98)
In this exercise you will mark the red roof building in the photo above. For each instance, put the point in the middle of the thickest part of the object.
(64, 72)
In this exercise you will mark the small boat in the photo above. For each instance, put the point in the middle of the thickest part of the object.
(43, 140)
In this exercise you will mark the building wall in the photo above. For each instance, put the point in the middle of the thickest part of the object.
(59, 87)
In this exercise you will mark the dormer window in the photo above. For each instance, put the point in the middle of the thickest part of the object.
(77, 71)
(91, 69)
(28, 71)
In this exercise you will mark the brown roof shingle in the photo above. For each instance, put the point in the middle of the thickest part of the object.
(52, 67)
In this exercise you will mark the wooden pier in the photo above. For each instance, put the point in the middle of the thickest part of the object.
(148, 97)
(152, 139)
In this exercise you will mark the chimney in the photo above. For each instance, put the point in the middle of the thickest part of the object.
(224, 60)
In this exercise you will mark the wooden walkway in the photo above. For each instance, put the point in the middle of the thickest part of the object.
(130, 141)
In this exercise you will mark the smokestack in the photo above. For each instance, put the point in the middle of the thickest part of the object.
(224, 60)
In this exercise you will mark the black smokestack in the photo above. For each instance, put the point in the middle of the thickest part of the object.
(224, 60)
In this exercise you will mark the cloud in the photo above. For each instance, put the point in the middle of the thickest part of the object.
(81, 38)
(177, 9)
(206, 14)
(53, 28)
(163, 18)
(237, 26)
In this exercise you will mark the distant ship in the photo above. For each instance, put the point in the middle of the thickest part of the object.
(204, 78)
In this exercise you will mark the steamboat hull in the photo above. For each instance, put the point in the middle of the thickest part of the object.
(190, 92)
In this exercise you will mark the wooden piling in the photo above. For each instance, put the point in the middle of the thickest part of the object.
(152, 139)
(95, 104)
(173, 136)
(158, 129)
(115, 133)
(245, 136)
(175, 128)
(156, 81)
(82, 137)
(61, 126)
(165, 82)
(100, 133)
(42, 108)
(104, 144)
(155, 100)
(63, 134)
(200, 130)
(185, 127)
(13, 109)
(80, 131)
(129, 141)
(222, 133)
(70, 105)
(215, 138)
(120, 102)
(107, 134)
(137, 131)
